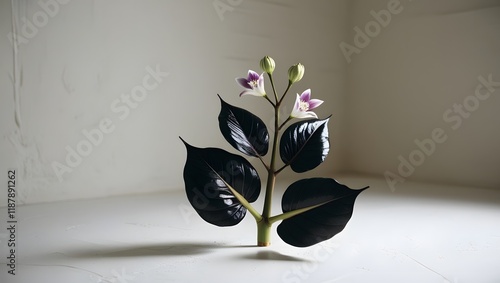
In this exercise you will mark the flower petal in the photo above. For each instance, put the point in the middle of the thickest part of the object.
(260, 81)
(260, 85)
(313, 103)
(296, 111)
(306, 95)
(251, 92)
(252, 76)
(307, 114)
(243, 82)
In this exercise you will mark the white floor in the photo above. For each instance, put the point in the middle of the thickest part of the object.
(419, 233)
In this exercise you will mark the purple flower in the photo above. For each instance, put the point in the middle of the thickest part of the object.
(304, 103)
(254, 84)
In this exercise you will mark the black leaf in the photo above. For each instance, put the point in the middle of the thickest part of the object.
(243, 130)
(207, 173)
(305, 144)
(335, 206)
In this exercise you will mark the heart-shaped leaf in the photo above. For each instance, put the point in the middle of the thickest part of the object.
(208, 173)
(243, 130)
(330, 207)
(304, 145)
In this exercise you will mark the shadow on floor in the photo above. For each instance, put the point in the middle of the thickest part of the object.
(166, 249)
(178, 249)
(271, 255)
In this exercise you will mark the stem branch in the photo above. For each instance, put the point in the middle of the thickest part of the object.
(272, 103)
(284, 94)
(244, 202)
(292, 213)
(274, 89)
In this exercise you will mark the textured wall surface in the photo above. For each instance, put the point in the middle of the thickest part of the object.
(430, 72)
(94, 94)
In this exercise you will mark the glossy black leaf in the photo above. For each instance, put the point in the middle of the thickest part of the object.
(206, 173)
(320, 223)
(305, 144)
(243, 130)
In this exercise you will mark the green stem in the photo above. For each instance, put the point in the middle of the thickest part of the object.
(284, 94)
(271, 175)
(283, 124)
(263, 226)
(263, 233)
(271, 178)
(263, 162)
(244, 202)
(274, 89)
(281, 169)
(272, 103)
(292, 213)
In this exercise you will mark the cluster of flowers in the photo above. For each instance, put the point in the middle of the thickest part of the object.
(254, 85)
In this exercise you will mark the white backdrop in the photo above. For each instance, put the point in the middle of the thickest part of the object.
(425, 71)
(77, 62)
(76, 69)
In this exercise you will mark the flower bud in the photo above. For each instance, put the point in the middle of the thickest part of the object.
(267, 64)
(296, 72)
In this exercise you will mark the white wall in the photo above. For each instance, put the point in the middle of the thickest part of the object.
(80, 56)
(406, 81)
(68, 72)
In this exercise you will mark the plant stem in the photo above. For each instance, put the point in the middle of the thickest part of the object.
(284, 94)
(267, 98)
(263, 226)
(243, 202)
(292, 213)
(287, 119)
(281, 169)
(271, 178)
(263, 233)
(274, 89)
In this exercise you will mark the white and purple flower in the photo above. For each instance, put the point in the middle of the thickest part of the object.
(304, 103)
(253, 84)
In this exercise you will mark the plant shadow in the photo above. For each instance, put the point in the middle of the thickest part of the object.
(272, 255)
(166, 249)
